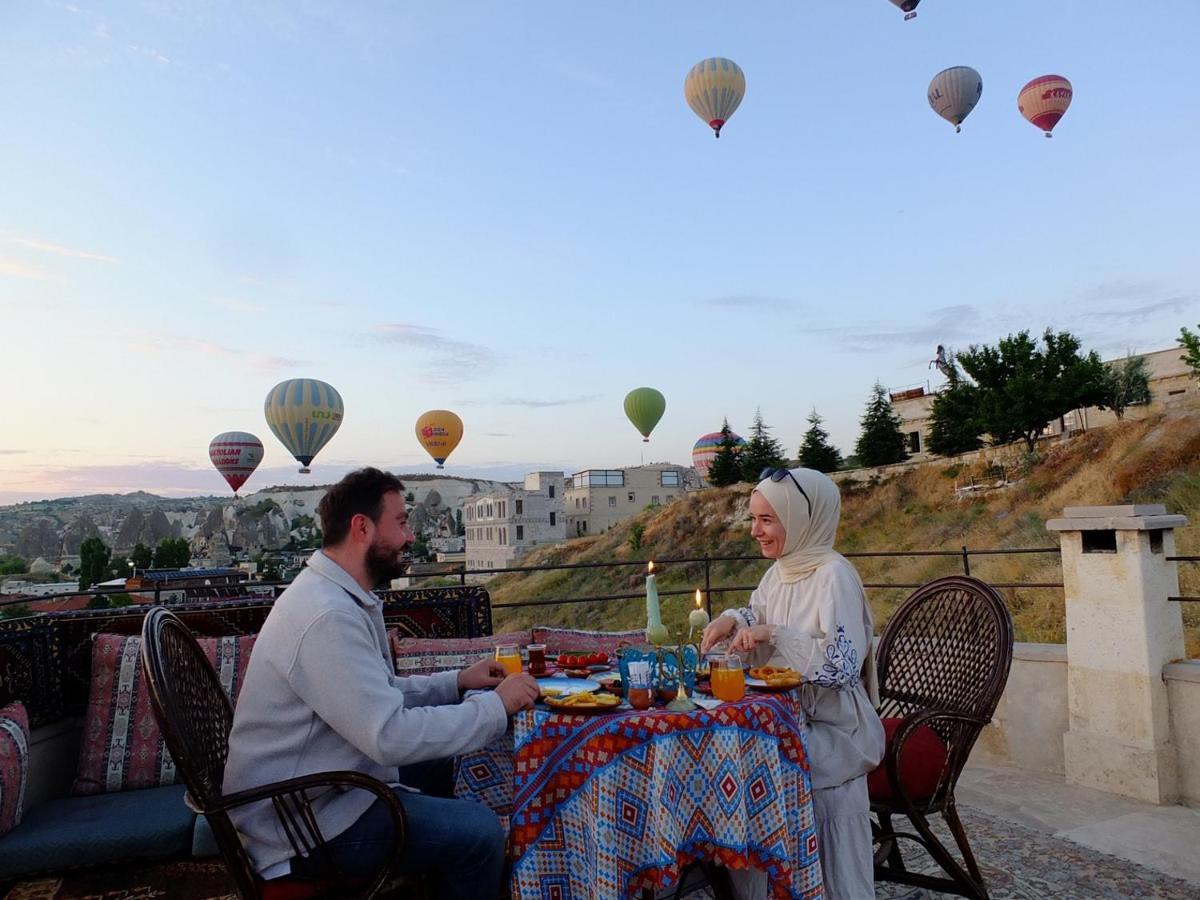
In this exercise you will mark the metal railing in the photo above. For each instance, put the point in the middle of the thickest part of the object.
(1186, 559)
(459, 571)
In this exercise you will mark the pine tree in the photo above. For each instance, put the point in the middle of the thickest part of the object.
(761, 452)
(726, 467)
(816, 452)
(881, 441)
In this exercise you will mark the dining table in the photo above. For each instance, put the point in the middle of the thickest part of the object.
(618, 804)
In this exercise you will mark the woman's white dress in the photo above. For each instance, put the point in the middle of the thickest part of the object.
(823, 630)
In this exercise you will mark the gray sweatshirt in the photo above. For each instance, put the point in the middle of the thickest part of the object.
(321, 694)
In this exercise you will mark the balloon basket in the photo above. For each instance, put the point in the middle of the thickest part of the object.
(911, 15)
(304, 470)
(1049, 135)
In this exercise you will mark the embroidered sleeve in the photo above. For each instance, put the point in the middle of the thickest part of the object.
(744, 617)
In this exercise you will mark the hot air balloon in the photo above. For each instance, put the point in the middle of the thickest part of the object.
(304, 414)
(954, 92)
(1044, 101)
(645, 406)
(909, 7)
(236, 454)
(439, 432)
(706, 449)
(713, 89)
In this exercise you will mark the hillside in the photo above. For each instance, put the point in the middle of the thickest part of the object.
(1156, 460)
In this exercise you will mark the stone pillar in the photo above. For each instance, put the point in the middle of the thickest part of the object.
(1121, 631)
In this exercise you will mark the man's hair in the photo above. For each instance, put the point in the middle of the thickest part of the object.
(359, 493)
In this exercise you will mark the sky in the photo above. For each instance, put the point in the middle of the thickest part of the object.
(508, 210)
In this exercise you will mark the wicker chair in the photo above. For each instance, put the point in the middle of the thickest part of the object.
(195, 716)
(943, 661)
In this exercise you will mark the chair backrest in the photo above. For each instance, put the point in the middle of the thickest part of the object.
(949, 646)
(195, 717)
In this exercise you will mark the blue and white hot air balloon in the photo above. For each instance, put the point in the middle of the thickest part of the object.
(304, 414)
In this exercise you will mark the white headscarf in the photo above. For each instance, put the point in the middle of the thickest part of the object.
(808, 542)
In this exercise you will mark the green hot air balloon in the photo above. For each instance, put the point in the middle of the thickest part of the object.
(644, 407)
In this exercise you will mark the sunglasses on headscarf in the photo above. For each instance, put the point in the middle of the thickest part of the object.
(779, 475)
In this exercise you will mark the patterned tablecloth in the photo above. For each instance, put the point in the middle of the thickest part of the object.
(604, 806)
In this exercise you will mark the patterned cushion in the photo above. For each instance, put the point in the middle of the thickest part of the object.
(560, 640)
(14, 764)
(122, 748)
(425, 656)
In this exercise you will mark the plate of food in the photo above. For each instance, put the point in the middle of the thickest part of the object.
(772, 678)
(565, 687)
(584, 702)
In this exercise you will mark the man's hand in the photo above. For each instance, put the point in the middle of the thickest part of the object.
(486, 673)
(749, 638)
(715, 631)
(518, 692)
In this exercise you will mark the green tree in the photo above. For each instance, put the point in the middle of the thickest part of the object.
(98, 601)
(953, 423)
(762, 451)
(815, 450)
(93, 562)
(15, 611)
(118, 567)
(172, 553)
(459, 530)
(142, 557)
(881, 442)
(12, 565)
(1021, 387)
(726, 467)
(636, 531)
(1190, 343)
(1126, 384)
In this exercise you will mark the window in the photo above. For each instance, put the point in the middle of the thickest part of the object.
(500, 508)
(599, 478)
(914, 442)
(520, 506)
(585, 527)
(654, 500)
(520, 532)
(632, 497)
(612, 501)
(551, 490)
(669, 479)
(553, 518)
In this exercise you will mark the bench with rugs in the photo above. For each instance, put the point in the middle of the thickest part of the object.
(85, 778)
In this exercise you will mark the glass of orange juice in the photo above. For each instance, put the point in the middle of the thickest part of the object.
(509, 656)
(728, 681)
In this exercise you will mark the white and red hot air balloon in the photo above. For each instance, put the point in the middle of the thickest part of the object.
(1044, 101)
(235, 454)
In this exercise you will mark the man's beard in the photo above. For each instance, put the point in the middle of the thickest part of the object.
(384, 563)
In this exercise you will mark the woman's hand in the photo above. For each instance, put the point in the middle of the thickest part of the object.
(715, 631)
(749, 638)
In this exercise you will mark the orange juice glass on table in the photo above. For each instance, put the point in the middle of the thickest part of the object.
(509, 656)
(728, 680)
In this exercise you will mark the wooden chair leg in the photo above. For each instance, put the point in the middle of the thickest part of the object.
(971, 887)
(964, 846)
(895, 858)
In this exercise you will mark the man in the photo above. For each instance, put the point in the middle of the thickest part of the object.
(321, 695)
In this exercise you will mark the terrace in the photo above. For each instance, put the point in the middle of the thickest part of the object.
(1085, 784)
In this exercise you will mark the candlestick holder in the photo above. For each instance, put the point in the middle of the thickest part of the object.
(687, 660)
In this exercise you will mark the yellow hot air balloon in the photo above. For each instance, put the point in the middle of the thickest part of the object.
(714, 88)
(304, 414)
(439, 432)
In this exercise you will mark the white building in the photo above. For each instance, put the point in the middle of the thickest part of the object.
(503, 527)
(597, 499)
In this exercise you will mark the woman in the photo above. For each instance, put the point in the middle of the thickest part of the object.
(809, 613)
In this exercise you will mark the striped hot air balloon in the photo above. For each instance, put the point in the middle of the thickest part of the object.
(236, 454)
(304, 414)
(1044, 101)
(706, 449)
(714, 88)
(954, 92)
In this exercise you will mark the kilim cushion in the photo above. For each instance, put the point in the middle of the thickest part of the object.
(14, 764)
(425, 656)
(560, 640)
(121, 748)
(921, 765)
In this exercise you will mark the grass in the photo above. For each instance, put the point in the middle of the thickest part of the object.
(1156, 460)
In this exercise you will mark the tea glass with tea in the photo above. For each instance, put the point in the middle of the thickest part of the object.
(537, 659)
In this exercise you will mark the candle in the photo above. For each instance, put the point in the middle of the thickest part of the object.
(698, 618)
(656, 632)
